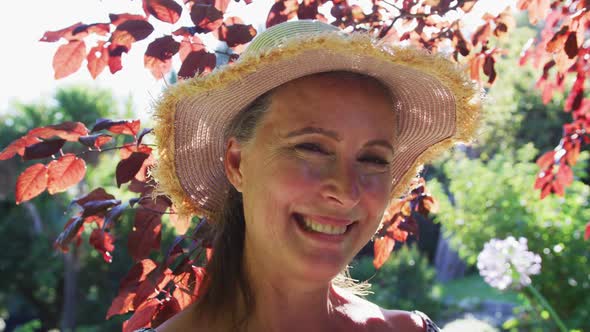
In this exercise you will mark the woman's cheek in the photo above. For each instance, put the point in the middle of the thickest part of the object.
(377, 186)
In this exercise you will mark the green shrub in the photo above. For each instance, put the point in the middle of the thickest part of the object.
(497, 199)
(405, 282)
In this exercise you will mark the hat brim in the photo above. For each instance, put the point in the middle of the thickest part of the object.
(435, 102)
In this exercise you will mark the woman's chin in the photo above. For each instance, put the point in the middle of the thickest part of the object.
(321, 269)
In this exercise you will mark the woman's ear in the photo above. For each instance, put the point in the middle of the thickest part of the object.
(232, 163)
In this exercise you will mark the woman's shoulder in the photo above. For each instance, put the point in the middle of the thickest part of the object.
(378, 319)
(401, 320)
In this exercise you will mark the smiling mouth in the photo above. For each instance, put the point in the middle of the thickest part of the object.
(310, 225)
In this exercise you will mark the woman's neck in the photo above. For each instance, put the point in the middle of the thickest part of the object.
(290, 306)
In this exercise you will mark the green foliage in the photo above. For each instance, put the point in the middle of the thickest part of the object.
(474, 288)
(31, 326)
(405, 282)
(496, 199)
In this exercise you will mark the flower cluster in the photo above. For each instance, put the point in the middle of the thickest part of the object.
(508, 263)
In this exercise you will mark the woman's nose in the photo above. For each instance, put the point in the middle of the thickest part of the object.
(341, 185)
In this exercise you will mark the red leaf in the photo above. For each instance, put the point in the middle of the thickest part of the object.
(68, 58)
(163, 48)
(115, 52)
(97, 59)
(18, 147)
(151, 286)
(145, 235)
(43, 149)
(101, 29)
(142, 317)
(383, 247)
(72, 231)
(164, 10)
(127, 149)
(282, 11)
(157, 67)
(394, 230)
(169, 308)
(236, 34)
(505, 22)
(96, 140)
(188, 45)
(565, 175)
(308, 9)
(571, 45)
(158, 56)
(118, 19)
(573, 152)
(98, 194)
(137, 274)
(546, 160)
(558, 40)
(206, 17)
(126, 127)
(70, 131)
(128, 168)
(31, 183)
(488, 68)
(64, 173)
(576, 95)
(53, 36)
(103, 242)
(185, 31)
(122, 304)
(131, 31)
(197, 63)
(98, 207)
(220, 4)
(188, 284)
(587, 232)
(113, 215)
(475, 65)
(460, 43)
(99, 221)
(482, 34)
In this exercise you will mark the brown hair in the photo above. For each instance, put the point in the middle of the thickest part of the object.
(225, 283)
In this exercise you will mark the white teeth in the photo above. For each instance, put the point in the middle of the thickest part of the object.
(322, 228)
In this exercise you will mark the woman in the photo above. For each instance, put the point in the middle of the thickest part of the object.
(294, 153)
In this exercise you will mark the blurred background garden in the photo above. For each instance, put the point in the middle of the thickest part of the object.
(484, 191)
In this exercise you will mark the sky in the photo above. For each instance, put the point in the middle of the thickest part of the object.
(26, 63)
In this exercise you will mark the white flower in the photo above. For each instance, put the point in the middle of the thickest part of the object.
(508, 263)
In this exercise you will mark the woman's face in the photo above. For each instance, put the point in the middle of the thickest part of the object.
(316, 176)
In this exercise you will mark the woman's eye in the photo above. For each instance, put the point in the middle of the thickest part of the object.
(375, 160)
(310, 147)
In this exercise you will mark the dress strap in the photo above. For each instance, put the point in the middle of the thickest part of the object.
(430, 326)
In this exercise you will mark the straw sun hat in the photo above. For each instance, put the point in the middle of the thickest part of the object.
(436, 105)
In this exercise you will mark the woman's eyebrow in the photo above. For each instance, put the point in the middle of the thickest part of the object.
(314, 130)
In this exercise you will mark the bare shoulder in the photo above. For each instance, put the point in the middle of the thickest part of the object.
(184, 321)
(367, 316)
(406, 321)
